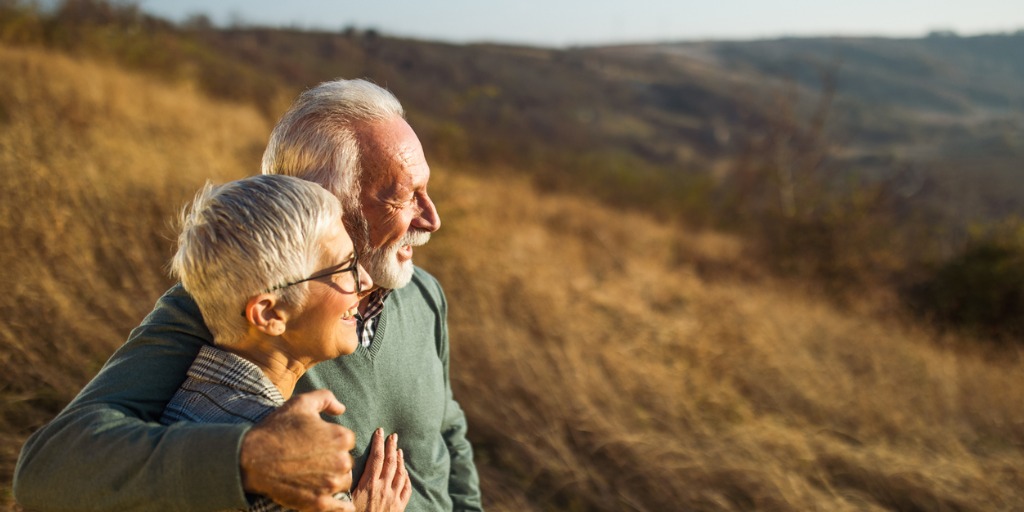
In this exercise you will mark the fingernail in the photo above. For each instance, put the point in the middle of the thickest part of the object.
(378, 432)
(401, 455)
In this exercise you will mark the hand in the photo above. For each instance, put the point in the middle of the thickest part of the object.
(385, 484)
(296, 458)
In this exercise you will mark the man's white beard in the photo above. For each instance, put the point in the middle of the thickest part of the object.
(382, 263)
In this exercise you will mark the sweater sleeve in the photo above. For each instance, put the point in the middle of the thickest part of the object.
(463, 481)
(106, 451)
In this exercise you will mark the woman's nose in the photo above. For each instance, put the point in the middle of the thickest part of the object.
(365, 281)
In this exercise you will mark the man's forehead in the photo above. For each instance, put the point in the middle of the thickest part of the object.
(388, 135)
(392, 156)
(401, 180)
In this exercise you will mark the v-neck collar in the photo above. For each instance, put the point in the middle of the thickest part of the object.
(380, 323)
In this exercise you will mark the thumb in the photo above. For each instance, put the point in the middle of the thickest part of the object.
(321, 400)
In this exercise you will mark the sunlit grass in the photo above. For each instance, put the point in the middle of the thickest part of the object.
(606, 360)
(94, 162)
(602, 367)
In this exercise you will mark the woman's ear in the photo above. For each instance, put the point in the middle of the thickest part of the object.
(266, 314)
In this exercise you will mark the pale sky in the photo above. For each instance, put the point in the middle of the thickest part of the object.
(557, 23)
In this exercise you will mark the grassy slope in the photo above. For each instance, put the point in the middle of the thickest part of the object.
(601, 363)
(598, 363)
(94, 162)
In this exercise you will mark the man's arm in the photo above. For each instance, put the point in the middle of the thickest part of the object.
(463, 481)
(105, 450)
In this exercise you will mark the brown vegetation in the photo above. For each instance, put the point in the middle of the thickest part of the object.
(606, 360)
(94, 163)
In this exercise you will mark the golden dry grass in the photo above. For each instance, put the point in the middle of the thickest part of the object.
(598, 363)
(94, 164)
(602, 366)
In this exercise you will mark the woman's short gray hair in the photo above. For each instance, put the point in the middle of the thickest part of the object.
(316, 140)
(245, 237)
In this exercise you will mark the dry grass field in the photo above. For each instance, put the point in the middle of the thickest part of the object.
(606, 360)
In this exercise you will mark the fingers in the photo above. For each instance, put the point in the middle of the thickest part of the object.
(296, 458)
(374, 460)
(385, 484)
(345, 442)
(401, 483)
(334, 444)
(390, 459)
(400, 472)
(375, 464)
(338, 482)
(406, 493)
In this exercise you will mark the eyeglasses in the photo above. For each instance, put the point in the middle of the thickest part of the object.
(355, 287)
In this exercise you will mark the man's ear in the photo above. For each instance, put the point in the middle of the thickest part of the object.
(266, 313)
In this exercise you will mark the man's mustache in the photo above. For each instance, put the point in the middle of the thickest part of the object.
(414, 237)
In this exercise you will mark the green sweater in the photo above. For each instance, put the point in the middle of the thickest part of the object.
(106, 451)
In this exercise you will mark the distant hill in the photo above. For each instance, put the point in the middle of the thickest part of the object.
(643, 120)
(950, 109)
(659, 125)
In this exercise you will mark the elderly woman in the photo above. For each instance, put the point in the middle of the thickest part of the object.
(274, 249)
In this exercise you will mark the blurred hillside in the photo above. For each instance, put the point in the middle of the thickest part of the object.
(855, 162)
(939, 117)
(675, 272)
(939, 120)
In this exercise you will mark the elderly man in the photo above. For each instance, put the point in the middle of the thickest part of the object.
(105, 451)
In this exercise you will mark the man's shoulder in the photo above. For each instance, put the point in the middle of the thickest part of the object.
(175, 302)
(423, 287)
(422, 283)
(175, 315)
(425, 278)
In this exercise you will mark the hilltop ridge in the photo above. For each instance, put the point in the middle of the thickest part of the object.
(638, 125)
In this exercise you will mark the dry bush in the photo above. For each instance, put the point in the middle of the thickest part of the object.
(95, 164)
(982, 287)
(601, 365)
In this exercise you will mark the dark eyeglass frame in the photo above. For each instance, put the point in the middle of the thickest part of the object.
(354, 268)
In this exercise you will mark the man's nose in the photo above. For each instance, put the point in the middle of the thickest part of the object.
(428, 217)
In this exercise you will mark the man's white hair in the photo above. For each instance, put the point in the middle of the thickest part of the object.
(316, 140)
(246, 237)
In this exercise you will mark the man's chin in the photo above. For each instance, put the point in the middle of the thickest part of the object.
(396, 275)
